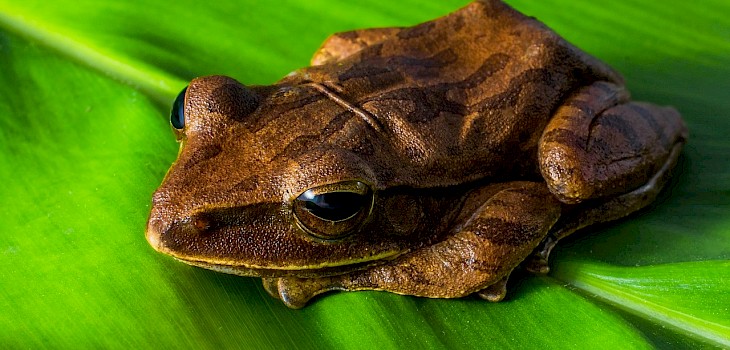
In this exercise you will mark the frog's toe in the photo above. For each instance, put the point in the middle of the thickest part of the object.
(296, 292)
(271, 286)
(495, 292)
(537, 264)
(538, 261)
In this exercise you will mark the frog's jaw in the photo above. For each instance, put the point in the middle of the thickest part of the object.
(301, 273)
(164, 239)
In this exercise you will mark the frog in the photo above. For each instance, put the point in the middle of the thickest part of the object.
(430, 161)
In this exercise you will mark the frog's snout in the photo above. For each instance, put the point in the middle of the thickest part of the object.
(152, 234)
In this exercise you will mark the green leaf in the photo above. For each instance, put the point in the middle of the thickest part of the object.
(85, 88)
(691, 297)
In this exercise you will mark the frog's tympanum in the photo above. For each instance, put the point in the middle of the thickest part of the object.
(428, 161)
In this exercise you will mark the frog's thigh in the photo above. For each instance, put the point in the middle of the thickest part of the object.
(341, 45)
(486, 248)
(598, 144)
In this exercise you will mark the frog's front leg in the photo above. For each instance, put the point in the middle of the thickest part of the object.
(477, 257)
(605, 157)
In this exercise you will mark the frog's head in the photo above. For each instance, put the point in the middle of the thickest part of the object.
(267, 183)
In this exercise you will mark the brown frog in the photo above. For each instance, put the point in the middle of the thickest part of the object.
(427, 161)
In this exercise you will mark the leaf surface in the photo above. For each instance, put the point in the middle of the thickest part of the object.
(85, 88)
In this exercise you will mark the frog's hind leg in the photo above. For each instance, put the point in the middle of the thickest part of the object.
(493, 239)
(605, 157)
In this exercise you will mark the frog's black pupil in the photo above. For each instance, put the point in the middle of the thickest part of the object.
(177, 115)
(334, 206)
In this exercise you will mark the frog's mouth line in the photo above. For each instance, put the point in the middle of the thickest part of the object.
(321, 270)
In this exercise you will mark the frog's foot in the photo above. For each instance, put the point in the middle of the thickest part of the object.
(599, 144)
(604, 157)
(578, 216)
(295, 292)
(495, 292)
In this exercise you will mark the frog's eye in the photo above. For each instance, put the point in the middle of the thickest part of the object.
(334, 211)
(177, 114)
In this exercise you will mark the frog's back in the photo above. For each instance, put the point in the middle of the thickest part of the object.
(460, 98)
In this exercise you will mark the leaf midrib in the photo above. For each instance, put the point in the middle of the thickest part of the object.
(150, 80)
(598, 286)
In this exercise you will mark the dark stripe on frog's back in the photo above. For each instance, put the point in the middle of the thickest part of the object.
(492, 65)
(289, 127)
(302, 143)
(431, 101)
(417, 31)
(275, 104)
(371, 68)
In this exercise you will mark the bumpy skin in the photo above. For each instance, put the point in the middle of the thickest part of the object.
(483, 135)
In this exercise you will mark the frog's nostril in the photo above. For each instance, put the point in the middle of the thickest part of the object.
(201, 224)
(177, 236)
